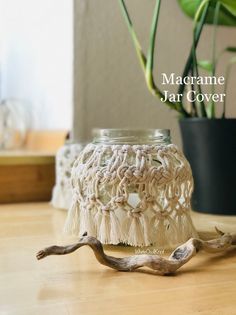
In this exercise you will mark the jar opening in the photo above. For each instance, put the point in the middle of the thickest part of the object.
(131, 136)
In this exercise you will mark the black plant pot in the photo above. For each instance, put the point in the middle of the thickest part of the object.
(210, 147)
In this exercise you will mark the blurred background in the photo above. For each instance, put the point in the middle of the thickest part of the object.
(69, 66)
(110, 89)
(37, 59)
(72, 63)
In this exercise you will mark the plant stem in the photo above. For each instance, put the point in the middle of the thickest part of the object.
(211, 112)
(150, 64)
(199, 10)
(189, 62)
(227, 75)
(225, 89)
(194, 108)
(203, 5)
(147, 65)
(178, 106)
(138, 48)
(151, 50)
(195, 68)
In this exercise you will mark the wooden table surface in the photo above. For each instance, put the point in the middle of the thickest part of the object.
(77, 284)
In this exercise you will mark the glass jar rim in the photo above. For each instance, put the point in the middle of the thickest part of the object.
(131, 136)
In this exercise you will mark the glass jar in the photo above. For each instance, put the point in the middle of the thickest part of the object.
(14, 122)
(132, 187)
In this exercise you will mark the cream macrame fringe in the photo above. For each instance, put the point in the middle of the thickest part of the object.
(62, 191)
(104, 176)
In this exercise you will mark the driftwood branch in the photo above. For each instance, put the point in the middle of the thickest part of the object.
(164, 266)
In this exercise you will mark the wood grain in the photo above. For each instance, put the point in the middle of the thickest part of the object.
(77, 284)
(27, 182)
(28, 174)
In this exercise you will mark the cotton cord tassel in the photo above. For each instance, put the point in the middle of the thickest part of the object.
(184, 230)
(179, 226)
(61, 198)
(72, 221)
(189, 229)
(97, 222)
(86, 221)
(171, 232)
(185, 227)
(146, 230)
(134, 228)
(115, 229)
(103, 225)
(57, 197)
(160, 237)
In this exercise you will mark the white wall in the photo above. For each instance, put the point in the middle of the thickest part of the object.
(36, 39)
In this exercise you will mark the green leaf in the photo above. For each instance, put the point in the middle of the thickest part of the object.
(227, 14)
(151, 49)
(231, 49)
(205, 65)
(230, 5)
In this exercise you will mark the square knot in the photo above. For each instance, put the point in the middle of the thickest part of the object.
(128, 174)
(116, 147)
(105, 210)
(121, 171)
(158, 176)
(99, 174)
(149, 199)
(173, 148)
(108, 175)
(92, 198)
(138, 173)
(134, 214)
(125, 148)
(162, 214)
(119, 200)
(167, 174)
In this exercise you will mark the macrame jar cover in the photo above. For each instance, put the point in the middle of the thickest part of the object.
(137, 194)
(62, 191)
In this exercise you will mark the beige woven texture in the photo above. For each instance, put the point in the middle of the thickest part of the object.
(62, 191)
(133, 194)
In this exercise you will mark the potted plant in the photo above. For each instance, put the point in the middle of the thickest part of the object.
(208, 141)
